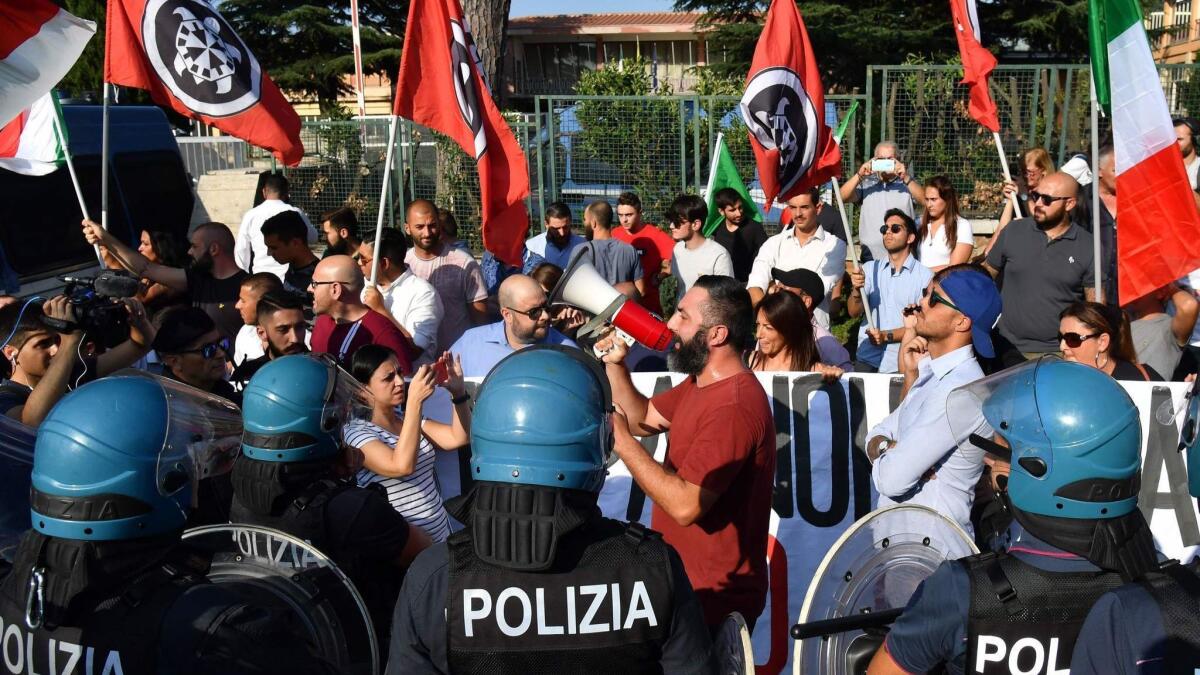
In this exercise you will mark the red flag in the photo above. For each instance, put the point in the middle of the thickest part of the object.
(442, 87)
(978, 63)
(188, 57)
(784, 106)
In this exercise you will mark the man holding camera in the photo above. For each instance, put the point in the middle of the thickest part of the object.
(45, 363)
(880, 185)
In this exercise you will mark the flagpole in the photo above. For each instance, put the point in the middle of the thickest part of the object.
(1096, 268)
(359, 84)
(837, 194)
(712, 166)
(1007, 175)
(387, 182)
(104, 160)
(62, 142)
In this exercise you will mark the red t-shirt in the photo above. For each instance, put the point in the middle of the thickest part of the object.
(654, 246)
(343, 339)
(722, 438)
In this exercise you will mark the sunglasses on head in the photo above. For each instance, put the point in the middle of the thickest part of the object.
(894, 228)
(211, 349)
(533, 313)
(936, 298)
(1073, 340)
(1046, 200)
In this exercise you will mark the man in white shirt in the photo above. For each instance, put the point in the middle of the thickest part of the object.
(694, 255)
(558, 241)
(1185, 135)
(248, 346)
(805, 245)
(250, 251)
(408, 300)
(916, 453)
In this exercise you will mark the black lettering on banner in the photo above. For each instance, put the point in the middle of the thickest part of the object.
(839, 464)
(637, 498)
(857, 391)
(465, 479)
(1161, 444)
(782, 501)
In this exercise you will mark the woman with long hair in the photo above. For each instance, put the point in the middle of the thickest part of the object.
(163, 248)
(785, 338)
(944, 238)
(397, 445)
(1098, 335)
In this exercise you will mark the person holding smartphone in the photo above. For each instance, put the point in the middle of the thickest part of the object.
(881, 184)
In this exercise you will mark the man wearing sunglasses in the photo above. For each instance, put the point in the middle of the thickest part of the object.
(914, 452)
(193, 352)
(524, 321)
(1047, 263)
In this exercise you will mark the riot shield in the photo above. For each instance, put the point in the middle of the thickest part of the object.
(16, 465)
(874, 567)
(731, 647)
(275, 569)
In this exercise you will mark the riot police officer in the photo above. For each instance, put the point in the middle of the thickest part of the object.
(539, 581)
(288, 477)
(1073, 438)
(102, 582)
(1153, 624)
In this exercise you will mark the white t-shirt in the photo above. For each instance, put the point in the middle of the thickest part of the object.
(246, 346)
(934, 250)
(415, 304)
(1192, 169)
(688, 265)
(250, 250)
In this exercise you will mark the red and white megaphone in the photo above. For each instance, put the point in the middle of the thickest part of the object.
(582, 286)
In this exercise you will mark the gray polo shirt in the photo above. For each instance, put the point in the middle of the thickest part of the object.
(877, 198)
(615, 260)
(1039, 278)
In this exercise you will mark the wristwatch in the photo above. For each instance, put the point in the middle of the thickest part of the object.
(890, 337)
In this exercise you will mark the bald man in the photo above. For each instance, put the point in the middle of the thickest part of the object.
(453, 272)
(344, 323)
(1047, 264)
(525, 320)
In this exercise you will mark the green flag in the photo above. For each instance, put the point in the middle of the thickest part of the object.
(841, 130)
(724, 174)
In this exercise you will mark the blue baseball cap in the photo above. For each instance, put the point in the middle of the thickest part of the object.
(975, 295)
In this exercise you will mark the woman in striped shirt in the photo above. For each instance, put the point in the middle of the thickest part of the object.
(398, 446)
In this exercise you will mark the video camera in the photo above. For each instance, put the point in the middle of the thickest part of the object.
(99, 311)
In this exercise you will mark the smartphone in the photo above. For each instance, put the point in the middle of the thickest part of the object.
(883, 165)
(441, 372)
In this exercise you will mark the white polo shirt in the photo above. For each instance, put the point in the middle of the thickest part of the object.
(824, 254)
(414, 303)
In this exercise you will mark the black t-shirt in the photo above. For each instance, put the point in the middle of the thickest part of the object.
(15, 394)
(246, 370)
(297, 279)
(1124, 370)
(217, 297)
(742, 245)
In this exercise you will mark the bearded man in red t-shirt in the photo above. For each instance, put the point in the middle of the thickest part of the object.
(712, 494)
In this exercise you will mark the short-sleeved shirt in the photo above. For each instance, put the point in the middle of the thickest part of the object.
(414, 302)
(1123, 634)
(742, 244)
(722, 438)
(341, 340)
(1155, 344)
(688, 265)
(218, 299)
(541, 245)
(297, 279)
(483, 346)
(876, 198)
(458, 281)
(654, 246)
(415, 496)
(823, 253)
(614, 260)
(495, 271)
(934, 250)
(1040, 278)
(888, 291)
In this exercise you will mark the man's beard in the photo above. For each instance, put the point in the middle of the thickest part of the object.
(296, 349)
(340, 248)
(203, 264)
(691, 356)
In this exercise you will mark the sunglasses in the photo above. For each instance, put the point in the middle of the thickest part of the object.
(1046, 200)
(894, 228)
(1073, 340)
(936, 299)
(211, 349)
(534, 313)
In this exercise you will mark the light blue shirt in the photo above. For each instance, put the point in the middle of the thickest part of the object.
(542, 246)
(924, 440)
(483, 346)
(888, 291)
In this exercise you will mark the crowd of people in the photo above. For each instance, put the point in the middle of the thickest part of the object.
(332, 375)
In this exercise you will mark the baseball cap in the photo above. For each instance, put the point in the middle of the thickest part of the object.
(974, 293)
(179, 327)
(804, 279)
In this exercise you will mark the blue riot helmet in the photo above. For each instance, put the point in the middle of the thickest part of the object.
(294, 408)
(542, 417)
(1189, 438)
(118, 458)
(1070, 432)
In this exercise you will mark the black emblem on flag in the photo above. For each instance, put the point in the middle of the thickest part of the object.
(782, 117)
(199, 58)
(464, 60)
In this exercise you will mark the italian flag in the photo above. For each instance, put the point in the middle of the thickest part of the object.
(1159, 235)
(39, 43)
(31, 144)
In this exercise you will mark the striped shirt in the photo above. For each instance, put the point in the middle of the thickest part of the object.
(415, 496)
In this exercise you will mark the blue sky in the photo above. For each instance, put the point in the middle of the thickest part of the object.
(537, 7)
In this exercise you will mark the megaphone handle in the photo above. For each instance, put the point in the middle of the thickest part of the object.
(617, 333)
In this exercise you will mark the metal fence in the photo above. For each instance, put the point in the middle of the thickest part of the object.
(581, 148)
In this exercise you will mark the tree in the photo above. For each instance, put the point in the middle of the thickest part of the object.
(86, 75)
(489, 28)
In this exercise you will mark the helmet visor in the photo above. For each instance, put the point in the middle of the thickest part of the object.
(346, 399)
(999, 412)
(203, 434)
